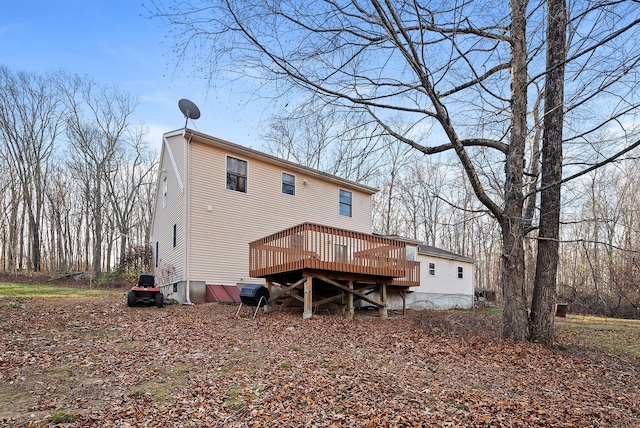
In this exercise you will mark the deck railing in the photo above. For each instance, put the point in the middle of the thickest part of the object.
(313, 246)
(411, 277)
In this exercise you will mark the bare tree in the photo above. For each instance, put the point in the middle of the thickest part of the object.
(382, 57)
(129, 171)
(600, 269)
(326, 139)
(29, 125)
(96, 125)
(544, 291)
(59, 199)
(457, 70)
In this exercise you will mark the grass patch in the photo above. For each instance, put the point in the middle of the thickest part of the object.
(602, 335)
(492, 309)
(237, 397)
(66, 371)
(10, 290)
(61, 417)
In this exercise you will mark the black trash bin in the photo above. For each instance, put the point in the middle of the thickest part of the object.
(254, 295)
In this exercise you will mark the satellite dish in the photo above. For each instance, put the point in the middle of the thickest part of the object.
(189, 109)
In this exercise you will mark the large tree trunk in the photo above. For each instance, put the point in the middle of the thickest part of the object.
(123, 247)
(515, 315)
(544, 291)
(35, 244)
(97, 218)
(14, 235)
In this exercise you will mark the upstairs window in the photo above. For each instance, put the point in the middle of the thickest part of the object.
(236, 174)
(460, 272)
(432, 269)
(345, 203)
(288, 184)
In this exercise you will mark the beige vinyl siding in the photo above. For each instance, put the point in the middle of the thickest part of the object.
(172, 213)
(224, 221)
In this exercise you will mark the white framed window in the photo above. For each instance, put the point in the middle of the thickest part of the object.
(432, 269)
(236, 174)
(460, 272)
(411, 253)
(345, 203)
(288, 184)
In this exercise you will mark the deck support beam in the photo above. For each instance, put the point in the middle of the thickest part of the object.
(350, 287)
(350, 311)
(308, 298)
(382, 310)
(287, 291)
(351, 291)
(267, 307)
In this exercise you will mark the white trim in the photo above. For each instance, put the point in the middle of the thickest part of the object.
(173, 163)
(282, 172)
(188, 232)
(226, 174)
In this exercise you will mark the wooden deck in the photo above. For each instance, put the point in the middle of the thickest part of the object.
(347, 262)
(312, 246)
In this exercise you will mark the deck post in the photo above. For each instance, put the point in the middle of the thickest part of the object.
(267, 307)
(350, 311)
(383, 298)
(308, 298)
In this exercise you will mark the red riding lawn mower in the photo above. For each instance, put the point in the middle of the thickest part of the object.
(145, 293)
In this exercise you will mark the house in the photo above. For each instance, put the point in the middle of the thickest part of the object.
(214, 197)
(446, 281)
(227, 215)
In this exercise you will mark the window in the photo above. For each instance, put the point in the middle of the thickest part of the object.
(411, 253)
(288, 184)
(156, 253)
(345, 203)
(460, 272)
(164, 192)
(236, 174)
(341, 253)
(432, 269)
(175, 287)
(174, 236)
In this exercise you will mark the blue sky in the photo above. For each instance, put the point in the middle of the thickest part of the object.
(114, 41)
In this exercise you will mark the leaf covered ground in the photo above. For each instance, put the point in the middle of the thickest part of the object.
(99, 363)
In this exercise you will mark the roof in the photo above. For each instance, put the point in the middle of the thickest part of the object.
(399, 238)
(273, 160)
(428, 250)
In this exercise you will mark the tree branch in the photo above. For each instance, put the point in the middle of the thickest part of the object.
(588, 170)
